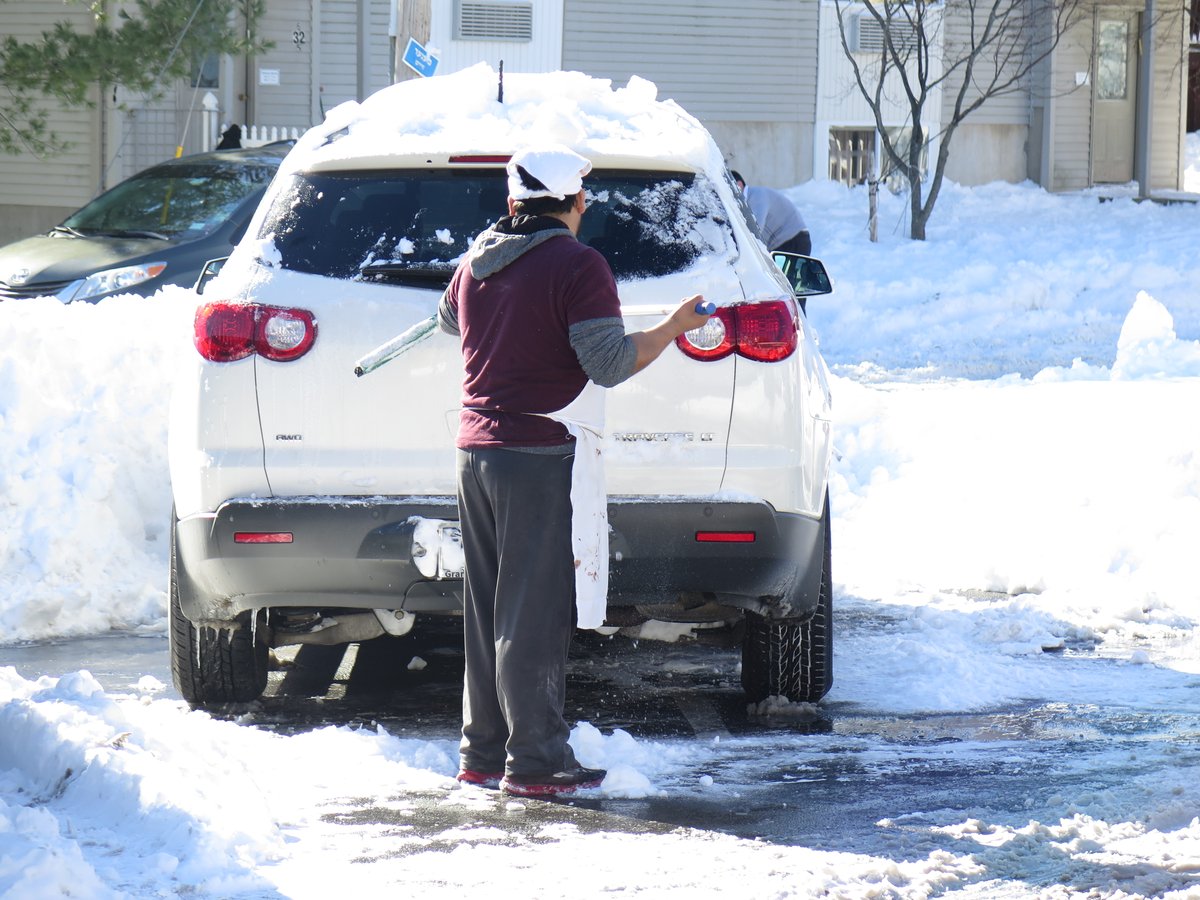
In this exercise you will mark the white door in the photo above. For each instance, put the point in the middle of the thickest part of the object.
(1115, 93)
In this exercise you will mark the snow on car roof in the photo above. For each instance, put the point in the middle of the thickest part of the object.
(462, 113)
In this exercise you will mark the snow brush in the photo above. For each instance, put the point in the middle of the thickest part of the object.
(397, 346)
(406, 340)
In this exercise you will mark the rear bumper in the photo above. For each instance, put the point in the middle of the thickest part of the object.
(373, 553)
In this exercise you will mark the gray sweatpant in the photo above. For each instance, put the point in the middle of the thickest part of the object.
(515, 512)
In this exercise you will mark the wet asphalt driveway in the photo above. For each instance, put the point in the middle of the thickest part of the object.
(841, 778)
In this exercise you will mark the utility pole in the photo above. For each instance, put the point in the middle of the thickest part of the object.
(412, 21)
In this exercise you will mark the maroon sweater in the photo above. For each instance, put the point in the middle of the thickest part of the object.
(516, 348)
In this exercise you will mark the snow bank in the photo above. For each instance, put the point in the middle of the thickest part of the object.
(132, 796)
(1011, 280)
(84, 494)
(1148, 346)
(185, 801)
(1075, 496)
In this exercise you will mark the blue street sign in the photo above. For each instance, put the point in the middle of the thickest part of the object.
(419, 59)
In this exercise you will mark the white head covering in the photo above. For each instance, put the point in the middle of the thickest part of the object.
(559, 168)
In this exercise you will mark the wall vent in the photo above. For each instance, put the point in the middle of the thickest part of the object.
(494, 20)
(866, 35)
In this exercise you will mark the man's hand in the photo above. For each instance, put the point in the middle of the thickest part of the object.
(688, 315)
(653, 341)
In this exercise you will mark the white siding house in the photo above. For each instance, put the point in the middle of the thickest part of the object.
(313, 66)
(34, 192)
(843, 115)
(768, 78)
(748, 72)
(990, 144)
(526, 35)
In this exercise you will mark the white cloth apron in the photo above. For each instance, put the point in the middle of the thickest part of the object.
(583, 417)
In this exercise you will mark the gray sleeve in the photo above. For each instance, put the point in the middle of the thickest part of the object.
(447, 317)
(604, 350)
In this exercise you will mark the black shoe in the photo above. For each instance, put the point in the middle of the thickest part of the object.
(554, 785)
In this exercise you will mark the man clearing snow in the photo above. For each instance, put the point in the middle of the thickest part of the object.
(541, 332)
(780, 222)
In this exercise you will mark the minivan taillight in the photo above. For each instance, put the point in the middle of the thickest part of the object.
(225, 332)
(765, 332)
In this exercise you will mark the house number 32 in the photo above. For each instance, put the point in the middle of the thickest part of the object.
(299, 37)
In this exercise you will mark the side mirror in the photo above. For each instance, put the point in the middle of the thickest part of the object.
(806, 275)
(211, 269)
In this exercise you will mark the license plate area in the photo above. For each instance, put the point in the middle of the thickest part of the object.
(437, 549)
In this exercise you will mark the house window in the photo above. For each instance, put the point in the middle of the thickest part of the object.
(206, 72)
(493, 20)
(1112, 70)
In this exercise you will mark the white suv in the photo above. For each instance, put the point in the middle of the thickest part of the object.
(312, 505)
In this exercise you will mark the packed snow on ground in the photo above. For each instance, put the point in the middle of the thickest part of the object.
(1018, 469)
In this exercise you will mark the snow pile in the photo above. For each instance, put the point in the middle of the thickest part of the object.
(105, 766)
(462, 113)
(1081, 491)
(141, 778)
(1011, 280)
(84, 495)
(1148, 346)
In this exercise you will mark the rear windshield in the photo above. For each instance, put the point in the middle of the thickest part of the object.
(412, 227)
(188, 201)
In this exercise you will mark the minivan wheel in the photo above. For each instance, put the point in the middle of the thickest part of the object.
(790, 658)
(213, 665)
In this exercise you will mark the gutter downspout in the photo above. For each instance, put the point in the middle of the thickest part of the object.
(104, 162)
(364, 49)
(1144, 118)
(1049, 110)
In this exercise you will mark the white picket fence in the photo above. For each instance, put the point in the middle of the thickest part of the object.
(851, 159)
(252, 135)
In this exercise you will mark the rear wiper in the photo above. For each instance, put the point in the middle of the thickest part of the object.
(399, 271)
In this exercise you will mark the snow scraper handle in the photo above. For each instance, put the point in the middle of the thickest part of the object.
(405, 341)
(397, 346)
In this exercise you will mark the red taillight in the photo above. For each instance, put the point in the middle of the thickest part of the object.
(477, 159)
(726, 537)
(765, 332)
(262, 537)
(225, 332)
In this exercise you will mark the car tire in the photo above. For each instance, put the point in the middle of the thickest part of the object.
(212, 666)
(792, 658)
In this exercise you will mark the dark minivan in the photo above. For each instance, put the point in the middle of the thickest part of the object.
(157, 228)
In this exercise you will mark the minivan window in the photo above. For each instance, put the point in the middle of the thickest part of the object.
(412, 227)
(171, 201)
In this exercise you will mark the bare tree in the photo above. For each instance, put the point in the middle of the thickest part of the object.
(996, 51)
